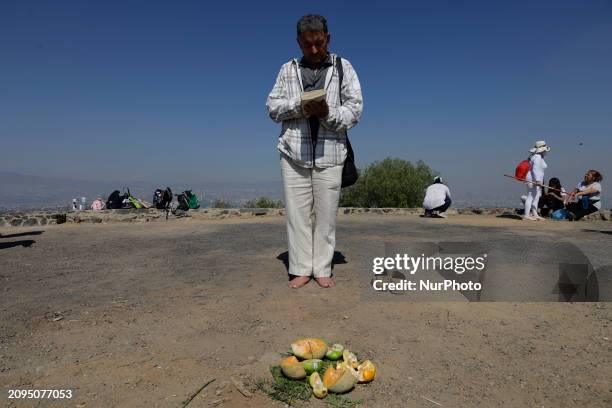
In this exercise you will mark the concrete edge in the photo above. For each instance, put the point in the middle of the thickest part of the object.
(42, 218)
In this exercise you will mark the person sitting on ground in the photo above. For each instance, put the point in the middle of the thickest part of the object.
(553, 199)
(587, 195)
(437, 199)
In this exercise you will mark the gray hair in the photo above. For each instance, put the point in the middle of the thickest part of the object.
(312, 22)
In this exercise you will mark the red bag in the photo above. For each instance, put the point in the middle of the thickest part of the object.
(522, 169)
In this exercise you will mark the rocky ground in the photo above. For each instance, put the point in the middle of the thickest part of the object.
(142, 315)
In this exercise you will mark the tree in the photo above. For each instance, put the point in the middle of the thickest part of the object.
(389, 183)
(263, 202)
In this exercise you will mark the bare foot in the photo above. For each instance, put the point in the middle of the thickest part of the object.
(298, 282)
(326, 282)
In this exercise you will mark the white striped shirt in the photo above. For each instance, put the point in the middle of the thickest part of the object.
(284, 106)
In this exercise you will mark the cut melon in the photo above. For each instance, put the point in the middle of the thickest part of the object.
(309, 348)
(346, 366)
(318, 389)
(339, 379)
(350, 359)
(367, 372)
(292, 368)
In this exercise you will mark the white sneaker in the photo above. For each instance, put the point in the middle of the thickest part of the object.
(529, 218)
(442, 215)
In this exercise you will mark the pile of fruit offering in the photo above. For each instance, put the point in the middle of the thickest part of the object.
(311, 355)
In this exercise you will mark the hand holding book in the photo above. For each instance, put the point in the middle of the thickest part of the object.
(313, 103)
(317, 95)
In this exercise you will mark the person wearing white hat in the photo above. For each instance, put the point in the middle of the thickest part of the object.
(536, 178)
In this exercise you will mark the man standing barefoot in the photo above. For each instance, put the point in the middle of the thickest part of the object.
(313, 148)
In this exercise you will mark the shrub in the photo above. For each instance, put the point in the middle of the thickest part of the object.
(218, 203)
(263, 202)
(389, 183)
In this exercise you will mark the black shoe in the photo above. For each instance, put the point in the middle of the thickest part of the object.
(571, 216)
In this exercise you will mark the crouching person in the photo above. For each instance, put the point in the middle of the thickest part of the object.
(437, 199)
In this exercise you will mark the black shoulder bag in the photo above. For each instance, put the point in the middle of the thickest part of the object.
(349, 171)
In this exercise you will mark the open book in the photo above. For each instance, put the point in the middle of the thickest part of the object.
(313, 96)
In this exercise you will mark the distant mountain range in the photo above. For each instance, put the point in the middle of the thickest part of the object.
(20, 192)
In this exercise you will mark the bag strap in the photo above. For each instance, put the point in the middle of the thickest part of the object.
(340, 76)
(349, 153)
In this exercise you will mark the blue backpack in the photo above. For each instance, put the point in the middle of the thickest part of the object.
(560, 214)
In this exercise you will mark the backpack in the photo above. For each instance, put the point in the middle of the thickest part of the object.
(522, 169)
(126, 200)
(183, 201)
(560, 214)
(98, 204)
(135, 202)
(115, 200)
(166, 198)
(157, 199)
(162, 198)
(192, 200)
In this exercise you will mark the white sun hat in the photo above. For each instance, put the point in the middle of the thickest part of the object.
(540, 147)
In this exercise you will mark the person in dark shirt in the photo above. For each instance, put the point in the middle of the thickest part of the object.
(553, 199)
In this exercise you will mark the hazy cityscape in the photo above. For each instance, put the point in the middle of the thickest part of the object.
(21, 192)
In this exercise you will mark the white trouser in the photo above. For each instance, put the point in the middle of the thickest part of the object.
(311, 194)
(531, 201)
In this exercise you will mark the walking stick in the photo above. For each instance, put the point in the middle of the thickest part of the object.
(534, 182)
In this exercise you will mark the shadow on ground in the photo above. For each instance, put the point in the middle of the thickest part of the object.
(22, 234)
(600, 231)
(336, 260)
(510, 216)
(23, 243)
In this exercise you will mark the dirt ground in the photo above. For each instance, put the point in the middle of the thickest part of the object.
(142, 315)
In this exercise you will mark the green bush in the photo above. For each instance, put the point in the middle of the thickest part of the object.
(218, 203)
(389, 183)
(263, 202)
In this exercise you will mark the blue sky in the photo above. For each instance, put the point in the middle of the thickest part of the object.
(143, 90)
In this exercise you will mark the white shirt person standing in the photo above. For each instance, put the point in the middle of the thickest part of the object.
(536, 176)
(313, 148)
